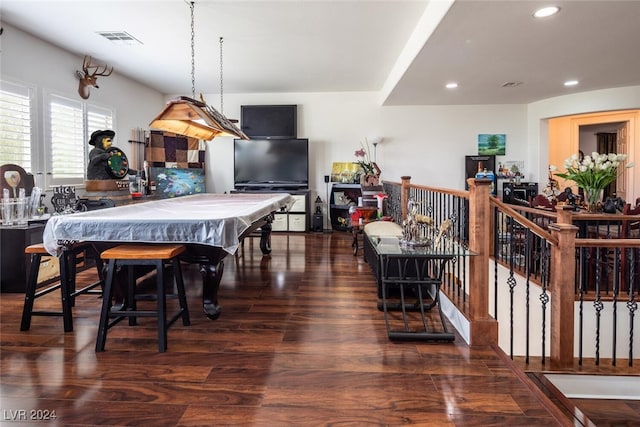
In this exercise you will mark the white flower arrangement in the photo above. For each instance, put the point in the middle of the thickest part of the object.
(594, 173)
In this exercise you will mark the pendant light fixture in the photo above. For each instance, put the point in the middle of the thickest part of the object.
(193, 118)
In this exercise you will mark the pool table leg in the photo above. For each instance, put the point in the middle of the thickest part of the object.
(211, 277)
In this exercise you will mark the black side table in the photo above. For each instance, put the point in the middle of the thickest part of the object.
(14, 264)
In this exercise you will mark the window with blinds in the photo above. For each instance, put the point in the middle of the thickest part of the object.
(16, 119)
(62, 156)
(67, 138)
(71, 124)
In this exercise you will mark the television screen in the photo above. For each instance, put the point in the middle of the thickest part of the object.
(271, 162)
(269, 121)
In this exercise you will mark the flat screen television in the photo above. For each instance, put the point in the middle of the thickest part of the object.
(269, 121)
(271, 163)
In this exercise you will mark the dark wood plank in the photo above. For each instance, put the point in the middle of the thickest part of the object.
(300, 342)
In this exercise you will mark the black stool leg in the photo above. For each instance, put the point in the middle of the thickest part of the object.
(71, 276)
(131, 294)
(161, 307)
(106, 306)
(182, 297)
(30, 292)
(67, 275)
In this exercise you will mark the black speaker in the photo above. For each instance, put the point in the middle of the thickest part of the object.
(326, 178)
(317, 223)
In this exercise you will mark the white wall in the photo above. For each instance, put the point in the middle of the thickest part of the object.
(33, 62)
(427, 143)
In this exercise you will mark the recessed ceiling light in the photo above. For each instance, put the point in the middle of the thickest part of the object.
(451, 85)
(546, 11)
(571, 83)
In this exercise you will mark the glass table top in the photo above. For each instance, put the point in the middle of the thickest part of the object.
(391, 245)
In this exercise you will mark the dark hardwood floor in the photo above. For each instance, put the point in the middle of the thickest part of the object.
(300, 342)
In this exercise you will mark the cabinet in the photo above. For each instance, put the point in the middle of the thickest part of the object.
(299, 214)
(298, 217)
(280, 222)
(14, 264)
(519, 194)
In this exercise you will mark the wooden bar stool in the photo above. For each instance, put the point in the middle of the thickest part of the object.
(130, 255)
(66, 284)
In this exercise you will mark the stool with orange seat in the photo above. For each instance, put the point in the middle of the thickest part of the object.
(131, 255)
(66, 284)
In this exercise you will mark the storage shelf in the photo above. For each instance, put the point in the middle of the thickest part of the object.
(298, 218)
(347, 195)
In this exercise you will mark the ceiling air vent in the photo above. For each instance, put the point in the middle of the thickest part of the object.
(119, 37)
(510, 84)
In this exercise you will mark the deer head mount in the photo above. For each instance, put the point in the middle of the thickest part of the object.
(89, 76)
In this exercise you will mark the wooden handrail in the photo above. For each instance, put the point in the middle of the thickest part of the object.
(576, 216)
(535, 228)
(607, 243)
(458, 193)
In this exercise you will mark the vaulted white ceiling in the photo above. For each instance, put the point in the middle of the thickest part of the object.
(405, 50)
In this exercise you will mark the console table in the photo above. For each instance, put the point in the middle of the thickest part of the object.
(413, 273)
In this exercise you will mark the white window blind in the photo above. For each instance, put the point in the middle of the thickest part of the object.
(16, 116)
(71, 125)
(67, 139)
(97, 119)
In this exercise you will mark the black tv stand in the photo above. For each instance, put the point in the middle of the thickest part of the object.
(268, 186)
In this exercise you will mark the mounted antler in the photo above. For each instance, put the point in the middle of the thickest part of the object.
(89, 76)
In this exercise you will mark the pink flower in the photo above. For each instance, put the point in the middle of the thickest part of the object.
(360, 153)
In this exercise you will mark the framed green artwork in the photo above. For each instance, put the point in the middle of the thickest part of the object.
(492, 144)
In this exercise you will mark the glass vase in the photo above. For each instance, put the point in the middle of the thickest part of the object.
(592, 198)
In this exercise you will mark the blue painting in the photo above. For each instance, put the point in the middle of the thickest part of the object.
(492, 144)
(175, 182)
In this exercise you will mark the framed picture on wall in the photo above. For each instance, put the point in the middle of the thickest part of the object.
(344, 172)
(492, 144)
(176, 182)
